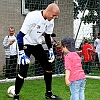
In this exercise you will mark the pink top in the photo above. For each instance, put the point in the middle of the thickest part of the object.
(73, 63)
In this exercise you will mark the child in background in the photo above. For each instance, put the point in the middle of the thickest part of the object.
(60, 58)
(87, 50)
(74, 74)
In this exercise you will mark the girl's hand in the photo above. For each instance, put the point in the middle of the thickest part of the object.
(67, 82)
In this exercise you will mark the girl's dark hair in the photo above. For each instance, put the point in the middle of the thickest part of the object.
(98, 34)
(86, 41)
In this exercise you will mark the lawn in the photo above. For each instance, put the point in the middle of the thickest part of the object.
(35, 89)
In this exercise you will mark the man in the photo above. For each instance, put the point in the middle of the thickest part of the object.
(97, 50)
(36, 24)
(10, 46)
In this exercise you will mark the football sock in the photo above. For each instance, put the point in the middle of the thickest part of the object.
(18, 84)
(48, 81)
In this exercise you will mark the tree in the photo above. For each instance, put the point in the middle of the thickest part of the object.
(92, 7)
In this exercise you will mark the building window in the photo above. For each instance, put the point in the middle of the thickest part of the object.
(31, 5)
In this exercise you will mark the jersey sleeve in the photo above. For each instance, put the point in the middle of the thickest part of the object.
(29, 23)
(6, 42)
(20, 36)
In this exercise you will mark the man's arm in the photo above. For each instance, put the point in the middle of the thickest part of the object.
(20, 40)
(23, 59)
(48, 40)
(6, 43)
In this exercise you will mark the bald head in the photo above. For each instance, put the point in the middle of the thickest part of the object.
(53, 7)
(51, 11)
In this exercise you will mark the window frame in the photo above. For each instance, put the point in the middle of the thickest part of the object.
(24, 11)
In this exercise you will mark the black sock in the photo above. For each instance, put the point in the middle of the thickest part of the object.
(18, 84)
(48, 81)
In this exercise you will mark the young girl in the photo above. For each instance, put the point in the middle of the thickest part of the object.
(74, 74)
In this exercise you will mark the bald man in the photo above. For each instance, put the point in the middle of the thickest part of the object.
(36, 25)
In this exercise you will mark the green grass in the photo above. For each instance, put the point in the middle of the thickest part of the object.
(35, 89)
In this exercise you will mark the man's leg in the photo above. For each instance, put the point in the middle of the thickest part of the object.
(90, 67)
(7, 70)
(22, 74)
(14, 67)
(41, 56)
(20, 80)
(86, 68)
(48, 82)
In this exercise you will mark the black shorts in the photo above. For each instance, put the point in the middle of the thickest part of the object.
(39, 54)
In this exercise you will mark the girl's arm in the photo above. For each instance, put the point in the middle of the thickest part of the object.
(67, 74)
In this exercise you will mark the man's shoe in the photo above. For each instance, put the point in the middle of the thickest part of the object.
(16, 97)
(52, 96)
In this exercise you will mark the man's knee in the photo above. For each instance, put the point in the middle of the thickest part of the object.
(22, 76)
(48, 71)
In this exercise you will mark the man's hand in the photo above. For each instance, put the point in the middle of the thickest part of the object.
(22, 58)
(51, 57)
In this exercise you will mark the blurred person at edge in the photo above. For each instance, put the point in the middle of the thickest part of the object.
(87, 50)
(10, 46)
(97, 50)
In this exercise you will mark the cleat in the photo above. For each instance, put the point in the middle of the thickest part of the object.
(16, 97)
(52, 96)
